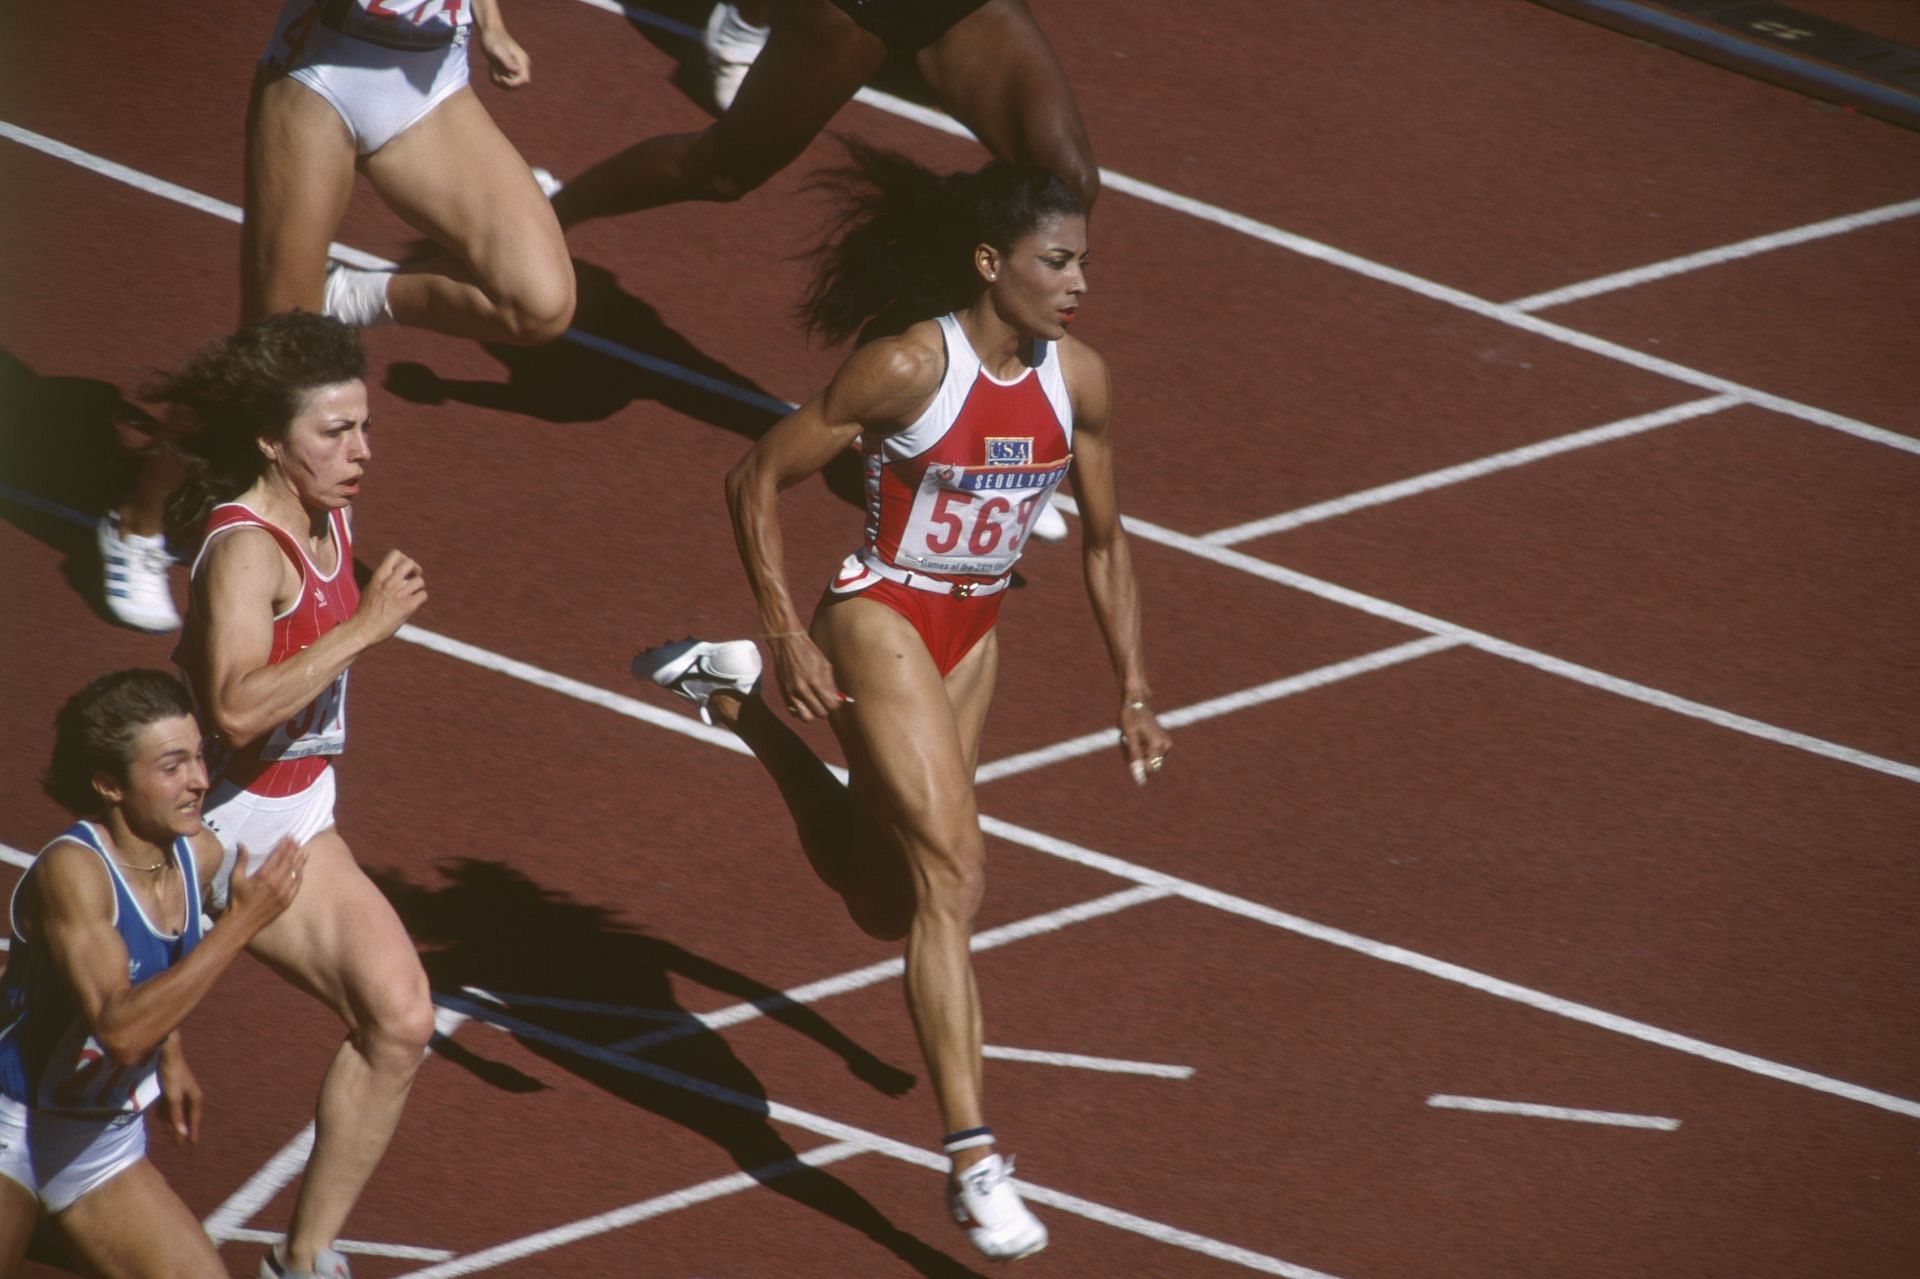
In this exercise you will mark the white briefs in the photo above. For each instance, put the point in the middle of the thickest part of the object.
(378, 92)
(239, 817)
(60, 1158)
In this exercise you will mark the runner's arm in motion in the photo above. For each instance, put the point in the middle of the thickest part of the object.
(247, 696)
(70, 913)
(881, 387)
(507, 62)
(1112, 587)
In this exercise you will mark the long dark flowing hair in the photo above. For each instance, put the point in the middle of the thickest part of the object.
(240, 389)
(900, 245)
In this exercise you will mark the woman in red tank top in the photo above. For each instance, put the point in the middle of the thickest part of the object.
(275, 621)
(902, 666)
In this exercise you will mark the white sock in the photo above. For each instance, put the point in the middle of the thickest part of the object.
(358, 297)
(731, 23)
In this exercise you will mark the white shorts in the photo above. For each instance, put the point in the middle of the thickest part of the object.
(60, 1158)
(238, 817)
(378, 92)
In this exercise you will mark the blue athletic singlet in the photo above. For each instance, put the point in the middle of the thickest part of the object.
(48, 1058)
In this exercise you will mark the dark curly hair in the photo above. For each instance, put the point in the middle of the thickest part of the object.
(900, 247)
(95, 731)
(243, 388)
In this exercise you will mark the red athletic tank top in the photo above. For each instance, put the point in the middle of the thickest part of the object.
(292, 756)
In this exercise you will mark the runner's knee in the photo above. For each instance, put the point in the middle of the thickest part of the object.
(399, 1025)
(537, 310)
(953, 883)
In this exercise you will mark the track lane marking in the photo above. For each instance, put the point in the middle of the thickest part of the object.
(1714, 257)
(780, 1112)
(1273, 690)
(355, 1247)
(1488, 465)
(1080, 1061)
(1532, 1110)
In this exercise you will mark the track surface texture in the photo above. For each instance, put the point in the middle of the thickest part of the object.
(1549, 722)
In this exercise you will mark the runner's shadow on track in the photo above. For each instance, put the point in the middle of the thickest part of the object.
(576, 987)
(62, 464)
(567, 382)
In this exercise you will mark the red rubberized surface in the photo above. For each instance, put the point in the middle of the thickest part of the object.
(1461, 874)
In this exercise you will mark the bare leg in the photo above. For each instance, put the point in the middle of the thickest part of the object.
(299, 179)
(815, 61)
(998, 75)
(136, 1227)
(458, 180)
(342, 943)
(19, 1212)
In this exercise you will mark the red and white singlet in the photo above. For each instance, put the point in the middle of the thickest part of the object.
(292, 756)
(952, 498)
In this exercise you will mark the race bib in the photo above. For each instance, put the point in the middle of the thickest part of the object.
(319, 729)
(975, 520)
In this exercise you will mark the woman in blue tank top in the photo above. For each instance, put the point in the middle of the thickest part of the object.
(108, 957)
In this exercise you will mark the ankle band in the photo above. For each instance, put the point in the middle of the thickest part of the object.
(966, 1139)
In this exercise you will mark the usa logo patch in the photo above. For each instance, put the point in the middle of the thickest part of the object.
(1009, 450)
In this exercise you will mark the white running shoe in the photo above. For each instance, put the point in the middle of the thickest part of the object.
(136, 589)
(1050, 525)
(732, 43)
(985, 1202)
(327, 1264)
(357, 297)
(550, 186)
(697, 669)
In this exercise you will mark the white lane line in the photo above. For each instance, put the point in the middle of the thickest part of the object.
(225, 1222)
(1080, 1061)
(1714, 257)
(14, 857)
(508, 999)
(633, 1214)
(358, 1247)
(1488, 465)
(780, 1112)
(1445, 971)
(1486, 1106)
(1103, 739)
(1227, 557)
(888, 969)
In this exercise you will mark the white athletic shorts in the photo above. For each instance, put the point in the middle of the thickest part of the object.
(60, 1158)
(240, 817)
(378, 92)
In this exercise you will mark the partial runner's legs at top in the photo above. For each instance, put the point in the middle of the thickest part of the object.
(453, 176)
(994, 70)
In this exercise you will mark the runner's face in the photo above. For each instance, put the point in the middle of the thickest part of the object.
(327, 446)
(1039, 282)
(165, 783)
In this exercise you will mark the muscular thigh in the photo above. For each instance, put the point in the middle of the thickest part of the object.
(136, 1227)
(998, 75)
(908, 745)
(299, 177)
(457, 179)
(341, 941)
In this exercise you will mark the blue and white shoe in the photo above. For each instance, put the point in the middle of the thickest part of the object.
(732, 43)
(136, 589)
(697, 669)
(327, 1264)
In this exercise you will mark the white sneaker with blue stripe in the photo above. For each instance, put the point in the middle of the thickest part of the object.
(136, 589)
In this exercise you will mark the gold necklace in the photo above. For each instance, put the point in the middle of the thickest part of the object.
(162, 864)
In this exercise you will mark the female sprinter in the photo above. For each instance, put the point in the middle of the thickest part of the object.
(382, 84)
(274, 622)
(967, 422)
(108, 959)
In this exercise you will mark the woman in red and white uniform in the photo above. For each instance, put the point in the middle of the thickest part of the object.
(274, 623)
(967, 421)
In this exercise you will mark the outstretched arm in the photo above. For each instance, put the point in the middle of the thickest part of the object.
(1108, 563)
(881, 386)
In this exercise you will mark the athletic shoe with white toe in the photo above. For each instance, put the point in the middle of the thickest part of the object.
(327, 1264)
(985, 1202)
(357, 297)
(697, 669)
(1050, 525)
(136, 589)
(732, 43)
